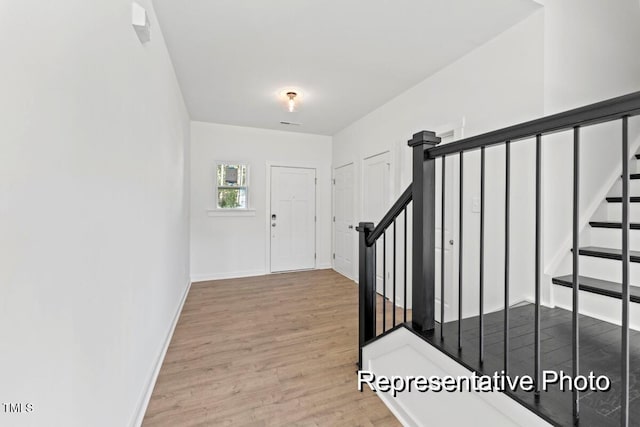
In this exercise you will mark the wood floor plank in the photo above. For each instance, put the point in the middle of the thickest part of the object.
(268, 351)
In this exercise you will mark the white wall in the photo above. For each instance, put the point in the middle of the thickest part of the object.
(237, 246)
(590, 55)
(498, 84)
(93, 210)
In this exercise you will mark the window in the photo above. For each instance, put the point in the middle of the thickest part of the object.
(232, 188)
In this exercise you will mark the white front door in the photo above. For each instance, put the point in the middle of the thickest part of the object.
(376, 198)
(293, 210)
(343, 227)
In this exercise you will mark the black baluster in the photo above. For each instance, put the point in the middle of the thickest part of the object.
(576, 268)
(442, 224)
(536, 338)
(481, 317)
(624, 399)
(460, 233)
(394, 273)
(405, 265)
(384, 281)
(507, 203)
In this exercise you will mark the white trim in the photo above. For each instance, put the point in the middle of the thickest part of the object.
(456, 129)
(141, 409)
(196, 278)
(287, 164)
(376, 155)
(333, 213)
(230, 275)
(231, 212)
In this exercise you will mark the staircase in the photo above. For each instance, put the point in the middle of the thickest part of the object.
(600, 259)
(516, 339)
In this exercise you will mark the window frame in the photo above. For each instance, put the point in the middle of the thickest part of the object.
(218, 187)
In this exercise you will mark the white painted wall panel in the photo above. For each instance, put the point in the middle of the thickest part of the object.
(94, 241)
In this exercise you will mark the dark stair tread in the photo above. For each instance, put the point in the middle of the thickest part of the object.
(634, 176)
(637, 156)
(607, 224)
(609, 253)
(597, 286)
(619, 199)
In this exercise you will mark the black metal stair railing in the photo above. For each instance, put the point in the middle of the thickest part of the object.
(422, 192)
(369, 236)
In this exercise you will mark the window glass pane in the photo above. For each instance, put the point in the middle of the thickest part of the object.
(231, 175)
(230, 198)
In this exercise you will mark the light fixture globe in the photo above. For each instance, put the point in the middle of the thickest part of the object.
(292, 98)
(292, 101)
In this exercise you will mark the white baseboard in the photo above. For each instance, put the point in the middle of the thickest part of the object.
(141, 409)
(231, 275)
(239, 274)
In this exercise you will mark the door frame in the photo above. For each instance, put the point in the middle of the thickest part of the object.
(333, 213)
(267, 214)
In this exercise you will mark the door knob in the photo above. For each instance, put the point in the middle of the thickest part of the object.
(451, 242)
(273, 224)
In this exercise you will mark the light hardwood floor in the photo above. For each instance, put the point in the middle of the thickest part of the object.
(266, 351)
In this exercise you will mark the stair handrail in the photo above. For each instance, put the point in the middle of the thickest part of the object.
(395, 210)
(422, 194)
(600, 112)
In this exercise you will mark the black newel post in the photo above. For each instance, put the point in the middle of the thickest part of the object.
(424, 231)
(367, 288)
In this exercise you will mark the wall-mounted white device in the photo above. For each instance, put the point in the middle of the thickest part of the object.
(140, 22)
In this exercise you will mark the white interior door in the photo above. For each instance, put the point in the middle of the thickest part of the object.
(376, 199)
(343, 227)
(293, 207)
(450, 234)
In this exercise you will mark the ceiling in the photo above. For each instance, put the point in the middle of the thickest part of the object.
(348, 57)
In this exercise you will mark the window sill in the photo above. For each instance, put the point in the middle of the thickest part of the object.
(231, 212)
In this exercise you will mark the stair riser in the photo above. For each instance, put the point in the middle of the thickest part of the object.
(634, 188)
(614, 212)
(612, 238)
(607, 269)
(598, 306)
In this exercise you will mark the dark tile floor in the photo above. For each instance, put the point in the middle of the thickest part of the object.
(599, 352)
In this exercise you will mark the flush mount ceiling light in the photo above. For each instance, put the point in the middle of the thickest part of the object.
(292, 98)
(292, 101)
